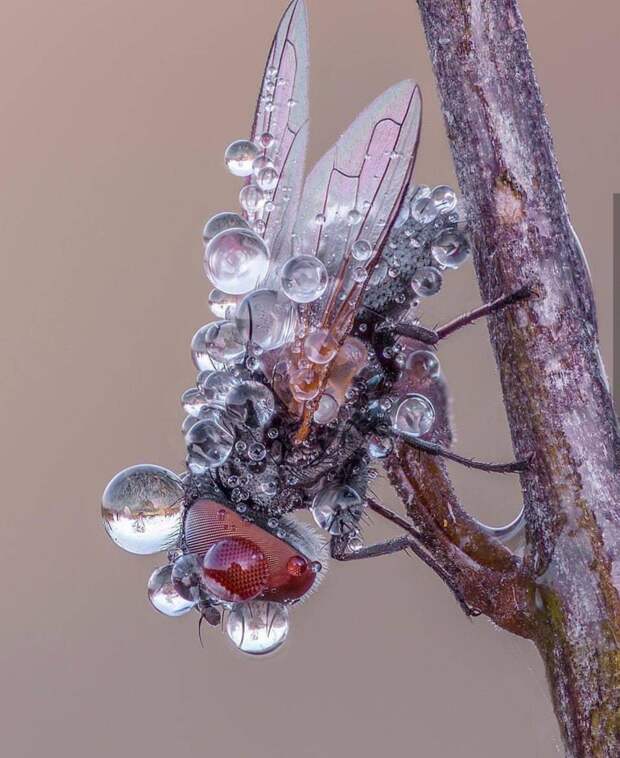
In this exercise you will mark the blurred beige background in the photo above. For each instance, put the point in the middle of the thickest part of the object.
(114, 118)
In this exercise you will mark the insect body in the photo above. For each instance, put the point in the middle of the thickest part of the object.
(304, 379)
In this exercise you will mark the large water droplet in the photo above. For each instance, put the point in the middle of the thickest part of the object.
(216, 386)
(423, 209)
(142, 507)
(209, 442)
(163, 594)
(222, 304)
(193, 401)
(450, 249)
(220, 222)
(252, 198)
(266, 319)
(426, 281)
(235, 569)
(258, 627)
(267, 179)
(304, 278)
(251, 403)
(320, 346)
(200, 356)
(337, 509)
(223, 342)
(361, 250)
(327, 409)
(415, 415)
(423, 364)
(239, 157)
(187, 577)
(444, 199)
(236, 260)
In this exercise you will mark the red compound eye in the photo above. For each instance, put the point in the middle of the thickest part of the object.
(235, 569)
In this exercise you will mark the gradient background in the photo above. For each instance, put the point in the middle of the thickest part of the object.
(114, 118)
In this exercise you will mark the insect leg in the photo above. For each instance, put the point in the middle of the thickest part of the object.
(433, 336)
(338, 548)
(432, 448)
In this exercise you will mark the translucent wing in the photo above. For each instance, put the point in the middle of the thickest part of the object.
(354, 191)
(282, 113)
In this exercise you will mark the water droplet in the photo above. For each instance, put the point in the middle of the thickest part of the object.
(269, 486)
(327, 409)
(444, 199)
(320, 219)
(235, 569)
(320, 346)
(426, 281)
(450, 249)
(379, 273)
(200, 356)
(222, 304)
(260, 163)
(423, 209)
(220, 222)
(361, 250)
(209, 442)
(337, 509)
(215, 386)
(256, 451)
(267, 140)
(239, 157)
(142, 509)
(304, 278)
(222, 342)
(236, 260)
(414, 415)
(187, 577)
(258, 627)
(423, 364)
(266, 319)
(267, 179)
(259, 226)
(163, 594)
(304, 384)
(360, 274)
(251, 198)
(251, 403)
(353, 217)
(192, 400)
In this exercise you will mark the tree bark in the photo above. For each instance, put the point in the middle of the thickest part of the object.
(556, 392)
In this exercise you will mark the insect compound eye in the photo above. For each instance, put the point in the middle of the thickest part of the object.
(235, 569)
(242, 561)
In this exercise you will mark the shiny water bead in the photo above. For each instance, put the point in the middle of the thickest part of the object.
(353, 217)
(164, 596)
(257, 451)
(259, 226)
(142, 509)
(350, 359)
(305, 384)
(378, 274)
(258, 627)
(379, 447)
(267, 140)
(444, 199)
(450, 249)
(423, 364)
(187, 577)
(361, 250)
(320, 346)
(260, 163)
(426, 281)
(267, 179)
(327, 409)
(266, 319)
(222, 304)
(192, 400)
(200, 356)
(252, 403)
(187, 424)
(222, 341)
(239, 157)
(414, 415)
(304, 278)
(236, 260)
(337, 509)
(209, 442)
(235, 569)
(216, 385)
(360, 274)
(251, 198)
(220, 222)
(423, 209)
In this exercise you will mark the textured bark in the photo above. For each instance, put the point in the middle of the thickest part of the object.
(555, 389)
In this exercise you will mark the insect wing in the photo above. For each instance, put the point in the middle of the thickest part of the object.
(354, 191)
(282, 114)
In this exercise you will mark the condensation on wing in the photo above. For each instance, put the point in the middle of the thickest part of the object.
(354, 190)
(282, 111)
